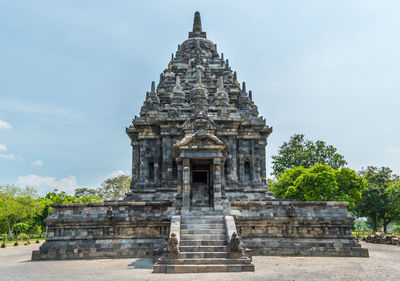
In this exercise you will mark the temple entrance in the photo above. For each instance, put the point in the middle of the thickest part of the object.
(201, 194)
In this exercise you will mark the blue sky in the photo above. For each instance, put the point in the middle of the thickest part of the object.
(74, 73)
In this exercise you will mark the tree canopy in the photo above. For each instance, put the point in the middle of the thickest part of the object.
(381, 199)
(23, 210)
(301, 152)
(111, 189)
(115, 188)
(319, 183)
(17, 205)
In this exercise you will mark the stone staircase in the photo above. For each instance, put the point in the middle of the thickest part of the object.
(203, 247)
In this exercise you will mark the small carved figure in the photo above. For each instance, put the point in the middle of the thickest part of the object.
(291, 211)
(234, 244)
(110, 213)
(173, 243)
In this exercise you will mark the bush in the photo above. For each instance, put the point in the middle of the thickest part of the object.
(319, 183)
(396, 229)
(23, 237)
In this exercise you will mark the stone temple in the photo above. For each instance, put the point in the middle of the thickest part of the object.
(198, 201)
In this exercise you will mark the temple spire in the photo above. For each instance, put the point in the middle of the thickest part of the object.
(198, 79)
(197, 22)
(221, 83)
(197, 28)
(177, 83)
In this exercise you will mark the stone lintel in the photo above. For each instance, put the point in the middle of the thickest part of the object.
(197, 154)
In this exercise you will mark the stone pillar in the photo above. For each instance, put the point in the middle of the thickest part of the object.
(180, 175)
(257, 162)
(156, 174)
(166, 171)
(144, 164)
(217, 185)
(135, 162)
(241, 161)
(223, 176)
(263, 172)
(232, 159)
(186, 184)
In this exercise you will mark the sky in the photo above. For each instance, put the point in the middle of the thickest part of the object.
(73, 74)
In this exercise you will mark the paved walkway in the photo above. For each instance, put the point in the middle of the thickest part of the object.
(383, 264)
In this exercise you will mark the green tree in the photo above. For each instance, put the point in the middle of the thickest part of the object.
(87, 192)
(319, 183)
(301, 152)
(360, 225)
(115, 188)
(380, 201)
(396, 229)
(56, 197)
(17, 205)
(21, 227)
(286, 182)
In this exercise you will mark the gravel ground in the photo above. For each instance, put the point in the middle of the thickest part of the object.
(383, 264)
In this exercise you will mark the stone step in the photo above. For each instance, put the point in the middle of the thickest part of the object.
(192, 243)
(204, 261)
(202, 208)
(200, 213)
(202, 268)
(203, 236)
(202, 231)
(202, 221)
(202, 217)
(203, 255)
(203, 248)
(202, 226)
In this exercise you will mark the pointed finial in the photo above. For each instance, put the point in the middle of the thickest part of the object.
(222, 56)
(197, 22)
(221, 82)
(147, 95)
(251, 95)
(153, 86)
(244, 87)
(172, 56)
(234, 76)
(197, 28)
(198, 78)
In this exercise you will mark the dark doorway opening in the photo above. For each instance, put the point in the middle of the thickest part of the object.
(201, 194)
(200, 177)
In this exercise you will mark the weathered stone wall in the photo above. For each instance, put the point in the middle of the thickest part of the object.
(82, 231)
(296, 228)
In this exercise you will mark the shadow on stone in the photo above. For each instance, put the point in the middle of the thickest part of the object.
(141, 263)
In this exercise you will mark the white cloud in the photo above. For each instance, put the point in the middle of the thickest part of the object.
(3, 147)
(38, 163)
(393, 150)
(7, 156)
(48, 184)
(5, 125)
(116, 174)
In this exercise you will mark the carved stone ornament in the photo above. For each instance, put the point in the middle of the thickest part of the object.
(173, 243)
(110, 213)
(234, 243)
(291, 211)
